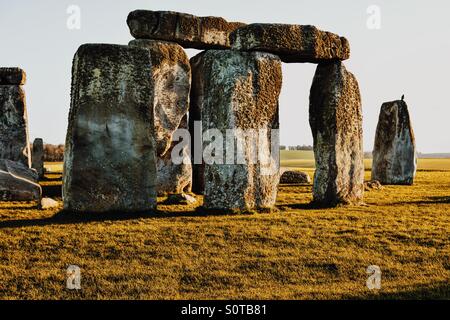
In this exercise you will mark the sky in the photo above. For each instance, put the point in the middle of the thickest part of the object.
(397, 47)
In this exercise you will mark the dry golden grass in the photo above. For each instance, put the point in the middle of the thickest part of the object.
(298, 252)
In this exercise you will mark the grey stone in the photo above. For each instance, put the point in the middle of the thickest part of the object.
(336, 122)
(12, 76)
(239, 90)
(13, 125)
(18, 182)
(37, 156)
(171, 73)
(110, 158)
(292, 43)
(394, 154)
(187, 30)
(295, 177)
(174, 177)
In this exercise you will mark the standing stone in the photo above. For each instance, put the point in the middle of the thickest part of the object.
(175, 177)
(171, 75)
(12, 76)
(292, 43)
(37, 156)
(239, 90)
(13, 117)
(394, 154)
(335, 116)
(189, 31)
(110, 160)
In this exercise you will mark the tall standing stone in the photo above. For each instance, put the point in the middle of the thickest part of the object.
(335, 116)
(171, 74)
(37, 156)
(394, 153)
(14, 144)
(110, 160)
(238, 90)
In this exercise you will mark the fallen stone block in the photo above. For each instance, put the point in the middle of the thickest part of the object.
(18, 182)
(295, 177)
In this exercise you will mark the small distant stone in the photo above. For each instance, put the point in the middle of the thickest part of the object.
(293, 177)
(12, 76)
(48, 203)
(372, 185)
(180, 198)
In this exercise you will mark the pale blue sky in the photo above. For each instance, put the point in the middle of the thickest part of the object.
(409, 54)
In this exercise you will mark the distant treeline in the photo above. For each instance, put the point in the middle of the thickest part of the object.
(302, 147)
(53, 153)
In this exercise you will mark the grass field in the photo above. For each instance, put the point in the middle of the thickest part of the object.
(298, 252)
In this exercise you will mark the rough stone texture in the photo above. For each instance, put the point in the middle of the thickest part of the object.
(171, 73)
(174, 178)
(335, 116)
(37, 156)
(292, 43)
(13, 125)
(187, 30)
(12, 76)
(394, 154)
(294, 177)
(110, 158)
(239, 90)
(18, 182)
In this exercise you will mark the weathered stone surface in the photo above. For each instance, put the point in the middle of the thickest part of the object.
(187, 30)
(110, 158)
(335, 117)
(292, 43)
(239, 90)
(13, 125)
(174, 177)
(171, 73)
(12, 76)
(37, 156)
(394, 154)
(18, 182)
(295, 177)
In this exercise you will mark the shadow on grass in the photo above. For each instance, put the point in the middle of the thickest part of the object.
(64, 217)
(431, 200)
(432, 291)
